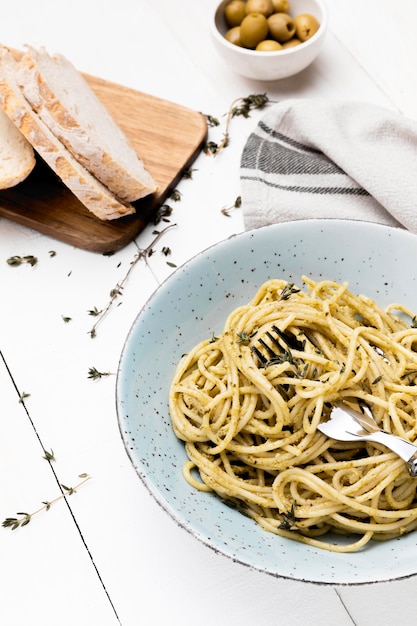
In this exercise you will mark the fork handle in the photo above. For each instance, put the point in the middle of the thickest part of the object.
(403, 448)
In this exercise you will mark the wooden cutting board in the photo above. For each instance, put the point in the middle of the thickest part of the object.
(168, 137)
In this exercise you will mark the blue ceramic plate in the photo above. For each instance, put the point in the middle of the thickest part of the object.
(192, 304)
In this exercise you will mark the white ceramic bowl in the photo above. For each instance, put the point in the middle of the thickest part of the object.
(271, 65)
(192, 304)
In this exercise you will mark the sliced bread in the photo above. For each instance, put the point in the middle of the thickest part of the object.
(68, 106)
(95, 196)
(17, 158)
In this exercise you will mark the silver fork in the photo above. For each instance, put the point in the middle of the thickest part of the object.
(345, 423)
(348, 424)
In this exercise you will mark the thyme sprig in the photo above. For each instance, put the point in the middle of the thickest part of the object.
(239, 107)
(288, 520)
(236, 205)
(288, 291)
(24, 518)
(16, 260)
(244, 337)
(284, 357)
(118, 289)
(246, 105)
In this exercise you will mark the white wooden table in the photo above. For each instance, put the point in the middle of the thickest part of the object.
(108, 554)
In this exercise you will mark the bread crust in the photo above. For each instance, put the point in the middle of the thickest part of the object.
(117, 166)
(17, 157)
(91, 193)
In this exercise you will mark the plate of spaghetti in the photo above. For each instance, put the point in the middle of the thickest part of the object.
(221, 424)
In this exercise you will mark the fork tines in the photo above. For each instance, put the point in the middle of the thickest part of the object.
(275, 350)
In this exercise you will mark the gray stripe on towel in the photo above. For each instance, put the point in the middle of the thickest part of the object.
(355, 191)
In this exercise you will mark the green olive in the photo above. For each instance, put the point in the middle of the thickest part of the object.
(233, 36)
(234, 12)
(306, 26)
(253, 29)
(260, 6)
(291, 43)
(281, 6)
(268, 45)
(281, 26)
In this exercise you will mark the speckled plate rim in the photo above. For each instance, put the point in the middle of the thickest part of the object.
(372, 258)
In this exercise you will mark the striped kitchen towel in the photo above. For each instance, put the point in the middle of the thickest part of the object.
(311, 158)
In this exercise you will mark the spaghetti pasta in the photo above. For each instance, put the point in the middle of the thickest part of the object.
(250, 426)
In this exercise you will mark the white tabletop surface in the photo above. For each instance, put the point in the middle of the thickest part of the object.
(109, 554)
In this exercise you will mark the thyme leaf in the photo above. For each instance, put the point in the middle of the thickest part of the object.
(116, 291)
(23, 397)
(95, 374)
(188, 173)
(94, 312)
(211, 147)
(212, 121)
(49, 456)
(163, 213)
(15, 522)
(175, 195)
(284, 357)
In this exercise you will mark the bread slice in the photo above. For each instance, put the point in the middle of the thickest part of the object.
(95, 196)
(65, 102)
(17, 158)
